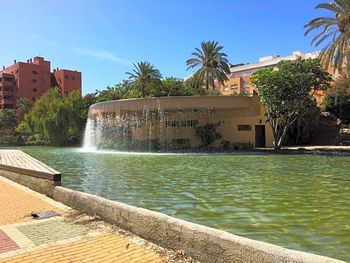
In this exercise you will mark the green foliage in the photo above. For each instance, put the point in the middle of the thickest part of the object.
(300, 131)
(55, 119)
(208, 134)
(337, 100)
(174, 87)
(212, 65)
(118, 92)
(88, 100)
(236, 146)
(23, 107)
(286, 92)
(334, 29)
(169, 86)
(8, 124)
(144, 75)
(8, 120)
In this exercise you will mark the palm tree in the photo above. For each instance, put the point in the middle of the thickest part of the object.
(143, 74)
(335, 29)
(212, 63)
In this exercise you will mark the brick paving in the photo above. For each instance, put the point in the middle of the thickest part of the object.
(6, 243)
(52, 230)
(17, 205)
(104, 248)
(70, 237)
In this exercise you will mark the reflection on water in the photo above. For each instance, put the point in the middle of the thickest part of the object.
(296, 201)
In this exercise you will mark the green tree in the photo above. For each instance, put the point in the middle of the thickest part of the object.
(8, 120)
(118, 92)
(8, 124)
(143, 75)
(334, 29)
(337, 100)
(88, 100)
(23, 107)
(49, 118)
(171, 86)
(56, 119)
(287, 93)
(75, 106)
(212, 65)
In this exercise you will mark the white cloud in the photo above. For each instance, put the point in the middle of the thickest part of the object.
(102, 54)
(43, 40)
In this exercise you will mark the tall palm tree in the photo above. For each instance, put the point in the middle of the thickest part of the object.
(143, 74)
(212, 63)
(336, 30)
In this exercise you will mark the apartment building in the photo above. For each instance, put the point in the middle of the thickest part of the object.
(238, 82)
(32, 79)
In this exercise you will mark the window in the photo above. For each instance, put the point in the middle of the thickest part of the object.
(34, 90)
(246, 86)
(226, 88)
(34, 72)
(65, 76)
(33, 99)
(34, 81)
(244, 127)
(234, 86)
(72, 78)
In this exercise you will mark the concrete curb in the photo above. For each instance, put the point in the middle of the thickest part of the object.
(42, 186)
(203, 243)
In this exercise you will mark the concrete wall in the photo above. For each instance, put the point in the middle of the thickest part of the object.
(202, 243)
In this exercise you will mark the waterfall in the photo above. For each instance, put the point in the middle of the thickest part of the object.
(142, 125)
(89, 142)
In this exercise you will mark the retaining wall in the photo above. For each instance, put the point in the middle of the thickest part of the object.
(203, 243)
(43, 186)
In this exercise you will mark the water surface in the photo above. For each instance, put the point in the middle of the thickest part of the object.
(297, 201)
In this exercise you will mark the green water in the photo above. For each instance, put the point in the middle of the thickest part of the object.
(297, 201)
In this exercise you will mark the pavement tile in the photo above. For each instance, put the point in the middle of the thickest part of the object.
(17, 205)
(6, 243)
(60, 239)
(92, 252)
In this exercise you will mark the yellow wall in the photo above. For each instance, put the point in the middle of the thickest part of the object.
(229, 112)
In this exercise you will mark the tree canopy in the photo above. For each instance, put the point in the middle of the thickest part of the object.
(211, 63)
(55, 118)
(143, 75)
(334, 29)
(287, 92)
(337, 100)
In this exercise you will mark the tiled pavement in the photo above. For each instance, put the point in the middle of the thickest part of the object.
(16, 204)
(69, 237)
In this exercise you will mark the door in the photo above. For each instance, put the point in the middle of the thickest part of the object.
(260, 136)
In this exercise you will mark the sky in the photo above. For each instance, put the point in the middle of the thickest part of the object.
(103, 38)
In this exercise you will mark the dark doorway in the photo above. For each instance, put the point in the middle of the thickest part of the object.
(260, 136)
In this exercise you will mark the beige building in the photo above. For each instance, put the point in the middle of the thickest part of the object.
(239, 79)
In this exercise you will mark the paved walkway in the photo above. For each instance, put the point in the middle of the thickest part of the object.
(69, 237)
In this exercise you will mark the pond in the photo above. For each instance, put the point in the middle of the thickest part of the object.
(296, 201)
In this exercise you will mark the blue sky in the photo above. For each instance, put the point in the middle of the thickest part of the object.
(102, 38)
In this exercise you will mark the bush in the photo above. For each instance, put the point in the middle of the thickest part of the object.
(337, 100)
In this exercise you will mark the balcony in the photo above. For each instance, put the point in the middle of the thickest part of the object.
(4, 93)
(7, 101)
(7, 83)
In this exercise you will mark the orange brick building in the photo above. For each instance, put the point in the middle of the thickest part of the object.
(32, 79)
